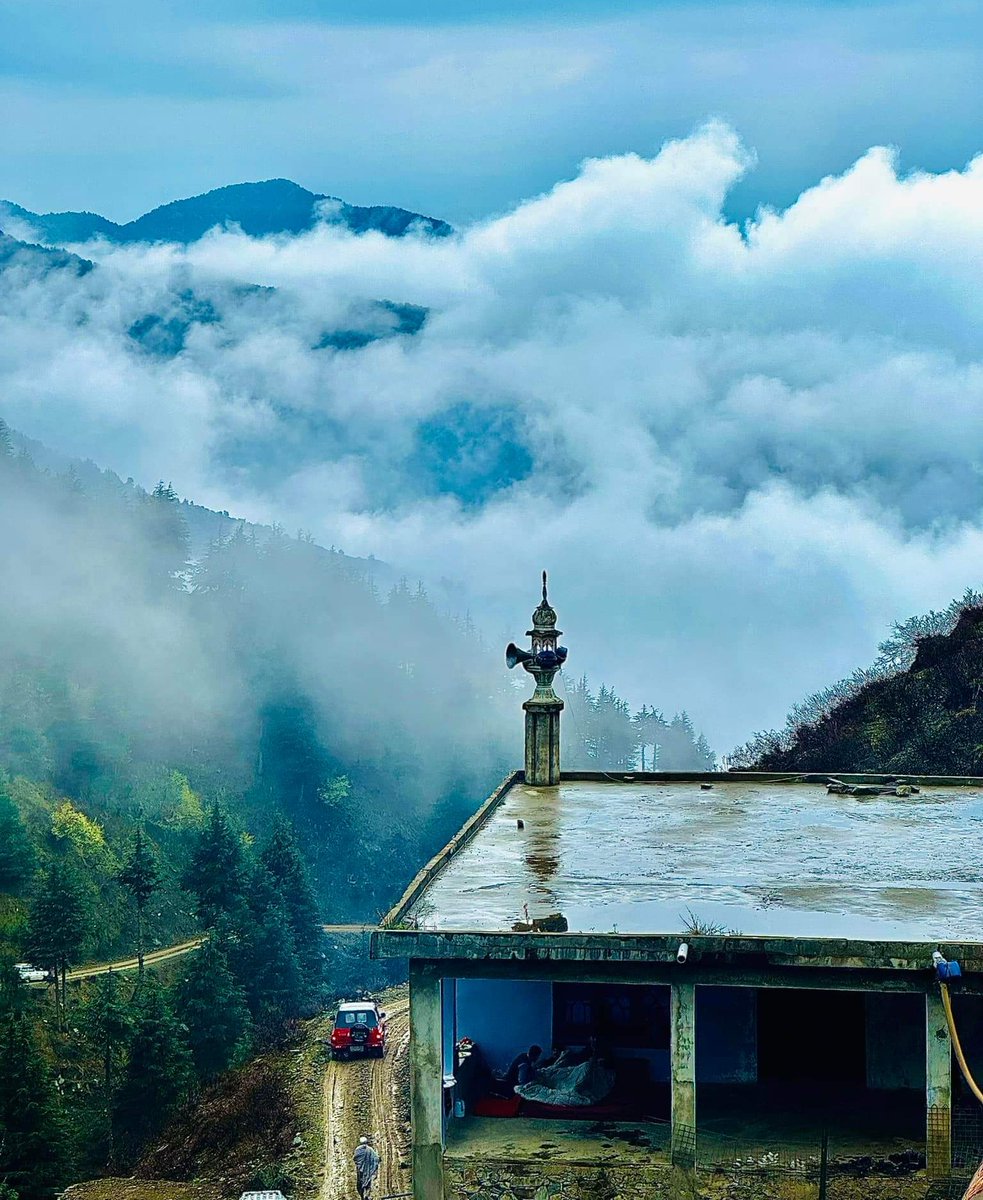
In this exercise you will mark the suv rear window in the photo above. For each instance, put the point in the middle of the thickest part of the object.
(349, 1017)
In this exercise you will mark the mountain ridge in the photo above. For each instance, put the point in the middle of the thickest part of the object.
(261, 209)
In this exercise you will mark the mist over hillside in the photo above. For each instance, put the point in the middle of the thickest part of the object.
(733, 447)
(268, 672)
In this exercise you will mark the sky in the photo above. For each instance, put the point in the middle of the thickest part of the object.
(460, 110)
(743, 445)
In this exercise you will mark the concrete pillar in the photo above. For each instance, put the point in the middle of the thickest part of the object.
(682, 1060)
(426, 1085)
(543, 743)
(938, 1088)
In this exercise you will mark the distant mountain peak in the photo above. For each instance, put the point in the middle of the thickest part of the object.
(261, 209)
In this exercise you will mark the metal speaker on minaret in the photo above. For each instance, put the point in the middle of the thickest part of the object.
(515, 655)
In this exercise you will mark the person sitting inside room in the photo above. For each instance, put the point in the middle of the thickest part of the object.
(520, 1071)
(574, 1080)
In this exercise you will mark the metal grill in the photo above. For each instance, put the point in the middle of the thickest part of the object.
(963, 1128)
(718, 1152)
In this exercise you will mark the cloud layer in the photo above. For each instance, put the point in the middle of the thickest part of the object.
(742, 453)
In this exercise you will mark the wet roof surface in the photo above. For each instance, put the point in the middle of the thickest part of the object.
(776, 858)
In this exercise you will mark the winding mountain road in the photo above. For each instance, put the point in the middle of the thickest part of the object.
(153, 957)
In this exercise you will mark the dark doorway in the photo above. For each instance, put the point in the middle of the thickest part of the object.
(810, 1035)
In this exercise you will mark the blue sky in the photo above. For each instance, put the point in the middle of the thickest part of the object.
(459, 109)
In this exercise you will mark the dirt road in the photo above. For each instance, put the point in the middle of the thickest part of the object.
(370, 1098)
(158, 956)
(150, 959)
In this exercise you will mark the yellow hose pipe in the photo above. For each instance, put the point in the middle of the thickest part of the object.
(957, 1045)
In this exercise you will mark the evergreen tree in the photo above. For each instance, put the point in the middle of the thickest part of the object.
(708, 759)
(60, 920)
(140, 875)
(217, 871)
(17, 859)
(159, 1069)
(268, 967)
(108, 1019)
(167, 543)
(14, 994)
(32, 1136)
(211, 1005)
(614, 737)
(286, 868)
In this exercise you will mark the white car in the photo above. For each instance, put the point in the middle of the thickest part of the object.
(30, 974)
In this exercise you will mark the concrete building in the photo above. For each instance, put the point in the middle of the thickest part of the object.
(748, 958)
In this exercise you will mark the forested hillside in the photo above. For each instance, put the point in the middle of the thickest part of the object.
(240, 738)
(917, 710)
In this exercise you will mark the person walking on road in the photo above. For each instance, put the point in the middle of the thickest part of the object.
(366, 1168)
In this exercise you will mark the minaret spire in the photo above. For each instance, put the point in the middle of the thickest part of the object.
(543, 708)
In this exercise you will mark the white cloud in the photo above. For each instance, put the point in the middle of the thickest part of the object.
(750, 452)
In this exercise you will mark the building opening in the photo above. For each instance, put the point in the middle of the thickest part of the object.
(810, 1036)
(774, 1067)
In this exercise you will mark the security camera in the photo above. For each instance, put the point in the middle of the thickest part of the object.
(683, 952)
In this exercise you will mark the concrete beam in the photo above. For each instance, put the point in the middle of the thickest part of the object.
(426, 1071)
(665, 974)
(717, 951)
(938, 1088)
(682, 1065)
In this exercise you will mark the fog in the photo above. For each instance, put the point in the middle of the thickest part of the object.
(741, 452)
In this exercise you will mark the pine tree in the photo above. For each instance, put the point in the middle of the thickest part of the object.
(32, 1136)
(14, 993)
(217, 872)
(140, 875)
(286, 868)
(17, 859)
(166, 537)
(159, 1069)
(267, 965)
(60, 921)
(108, 1019)
(211, 1005)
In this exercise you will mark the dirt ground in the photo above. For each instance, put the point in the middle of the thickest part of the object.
(140, 1189)
(370, 1098)
(541, 1140)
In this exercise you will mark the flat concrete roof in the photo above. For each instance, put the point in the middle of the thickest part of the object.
(750, 855)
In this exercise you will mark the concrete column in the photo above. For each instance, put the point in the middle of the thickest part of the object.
(938, 1088)
(682, 1058)
(426, 1089)
(543, 743)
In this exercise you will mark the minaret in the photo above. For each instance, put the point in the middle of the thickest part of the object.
(543, 708)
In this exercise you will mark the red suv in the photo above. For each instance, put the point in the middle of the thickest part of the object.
(359, 1028)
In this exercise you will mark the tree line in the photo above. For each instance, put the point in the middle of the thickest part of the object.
(92, 1070)
(602, 733)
